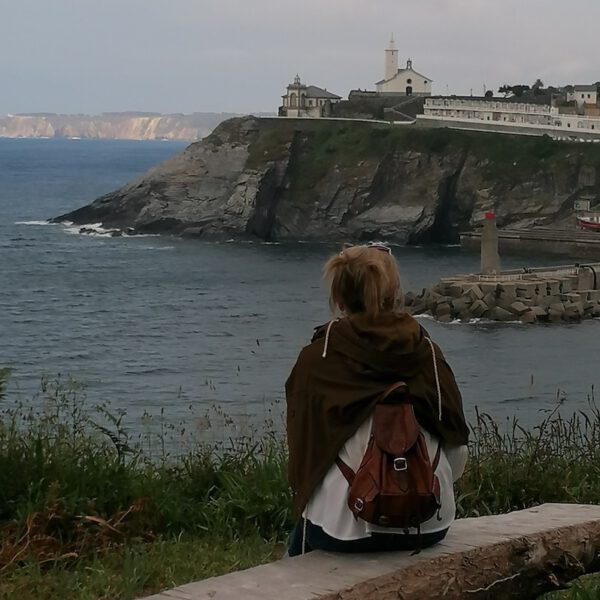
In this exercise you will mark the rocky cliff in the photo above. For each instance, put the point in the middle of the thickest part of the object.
(311, 179)
(128, 126)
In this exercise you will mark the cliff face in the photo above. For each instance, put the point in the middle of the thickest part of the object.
(130, 126)
(294, 179)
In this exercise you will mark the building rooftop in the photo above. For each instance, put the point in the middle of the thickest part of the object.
(400, 71)
(312, 91)
(586, 88)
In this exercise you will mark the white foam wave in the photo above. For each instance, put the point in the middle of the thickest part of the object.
(34, 223)
(155, 247)
(92, 229)
(96, 230)
(473, 321)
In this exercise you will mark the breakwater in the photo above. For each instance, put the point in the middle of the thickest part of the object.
(565, 242)
(549, 294)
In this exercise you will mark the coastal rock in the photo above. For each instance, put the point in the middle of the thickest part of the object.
(344, 180)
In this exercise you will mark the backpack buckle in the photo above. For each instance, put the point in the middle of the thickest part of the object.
(400, 464)
(358, 505)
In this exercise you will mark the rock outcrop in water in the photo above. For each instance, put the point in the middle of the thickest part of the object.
(318, 179)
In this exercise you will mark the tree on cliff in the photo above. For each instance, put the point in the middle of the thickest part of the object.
(515, 90)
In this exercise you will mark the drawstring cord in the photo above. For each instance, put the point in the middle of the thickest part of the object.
(437, 379)
(324, 355)
(304, 534)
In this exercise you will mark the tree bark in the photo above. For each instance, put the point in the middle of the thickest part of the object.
(515, 569)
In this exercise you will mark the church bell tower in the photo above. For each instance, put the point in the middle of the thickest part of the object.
(391, 60)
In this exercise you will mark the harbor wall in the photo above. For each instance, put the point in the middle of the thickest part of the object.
(571, 243)
(562, 293)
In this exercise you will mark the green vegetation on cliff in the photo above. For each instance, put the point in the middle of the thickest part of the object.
(88, 510)
(347, 143)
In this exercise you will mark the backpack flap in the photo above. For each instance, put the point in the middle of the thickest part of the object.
(395, 427)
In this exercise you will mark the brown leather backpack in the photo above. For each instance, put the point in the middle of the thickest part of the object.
(395, 485)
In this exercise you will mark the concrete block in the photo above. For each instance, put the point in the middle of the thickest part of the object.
(474, 292)
(596, 311)
(500, 314)
(455, 290)
(460, 305)
(574, 310)
(552, 287)
(525, 289)
(546, 301)
(488, 287)
(593, 295)
(528, 317)
(445, 318)
(509, 288)
(585, 279)
(573, 280)
(571, 297)
(409, 298)
(518, 308)
(557, 307)
(490, 299)
(566, 285)
(442, 309)
(506, 302)
(478, 308)
(555, 315)
(539, 312)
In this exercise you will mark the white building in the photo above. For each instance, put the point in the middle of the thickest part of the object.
(584, 94)
(496, 115)
(402, 82)
(301, 100)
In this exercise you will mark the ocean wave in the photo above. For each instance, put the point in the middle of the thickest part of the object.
(34, 223)
(97, 230)
(473, 321)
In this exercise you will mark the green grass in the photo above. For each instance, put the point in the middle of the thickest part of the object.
(92, 510)
(325, 145)
(139, 568)
(584, 588)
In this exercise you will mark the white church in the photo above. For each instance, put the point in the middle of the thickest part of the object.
(401, 82)
(302, 100)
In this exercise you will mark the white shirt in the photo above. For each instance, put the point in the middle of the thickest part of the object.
(328, 505)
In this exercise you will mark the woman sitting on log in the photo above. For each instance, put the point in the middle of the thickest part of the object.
(335, 388)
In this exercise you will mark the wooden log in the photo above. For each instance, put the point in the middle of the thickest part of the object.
(520, 569)
(516, 556)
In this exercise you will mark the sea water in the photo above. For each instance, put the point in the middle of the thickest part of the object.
(155, 323)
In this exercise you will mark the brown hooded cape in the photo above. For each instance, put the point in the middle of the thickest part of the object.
(328, 398)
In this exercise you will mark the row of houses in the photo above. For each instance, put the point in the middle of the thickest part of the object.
(572, 111)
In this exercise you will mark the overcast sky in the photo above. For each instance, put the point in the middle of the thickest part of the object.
(92, 56)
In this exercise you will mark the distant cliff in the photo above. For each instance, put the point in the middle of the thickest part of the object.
(128, 125)
(311, 179)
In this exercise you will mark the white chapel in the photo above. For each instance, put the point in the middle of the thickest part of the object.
(402, 82)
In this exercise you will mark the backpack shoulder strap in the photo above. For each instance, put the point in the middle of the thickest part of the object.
(347, 472)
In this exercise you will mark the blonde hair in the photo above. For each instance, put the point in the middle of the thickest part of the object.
(363, 279)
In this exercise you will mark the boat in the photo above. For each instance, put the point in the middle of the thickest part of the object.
(590, 222)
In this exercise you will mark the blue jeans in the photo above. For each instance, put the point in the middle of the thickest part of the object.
(317, 539)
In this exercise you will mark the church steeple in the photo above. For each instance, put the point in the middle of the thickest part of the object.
(391, 59)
